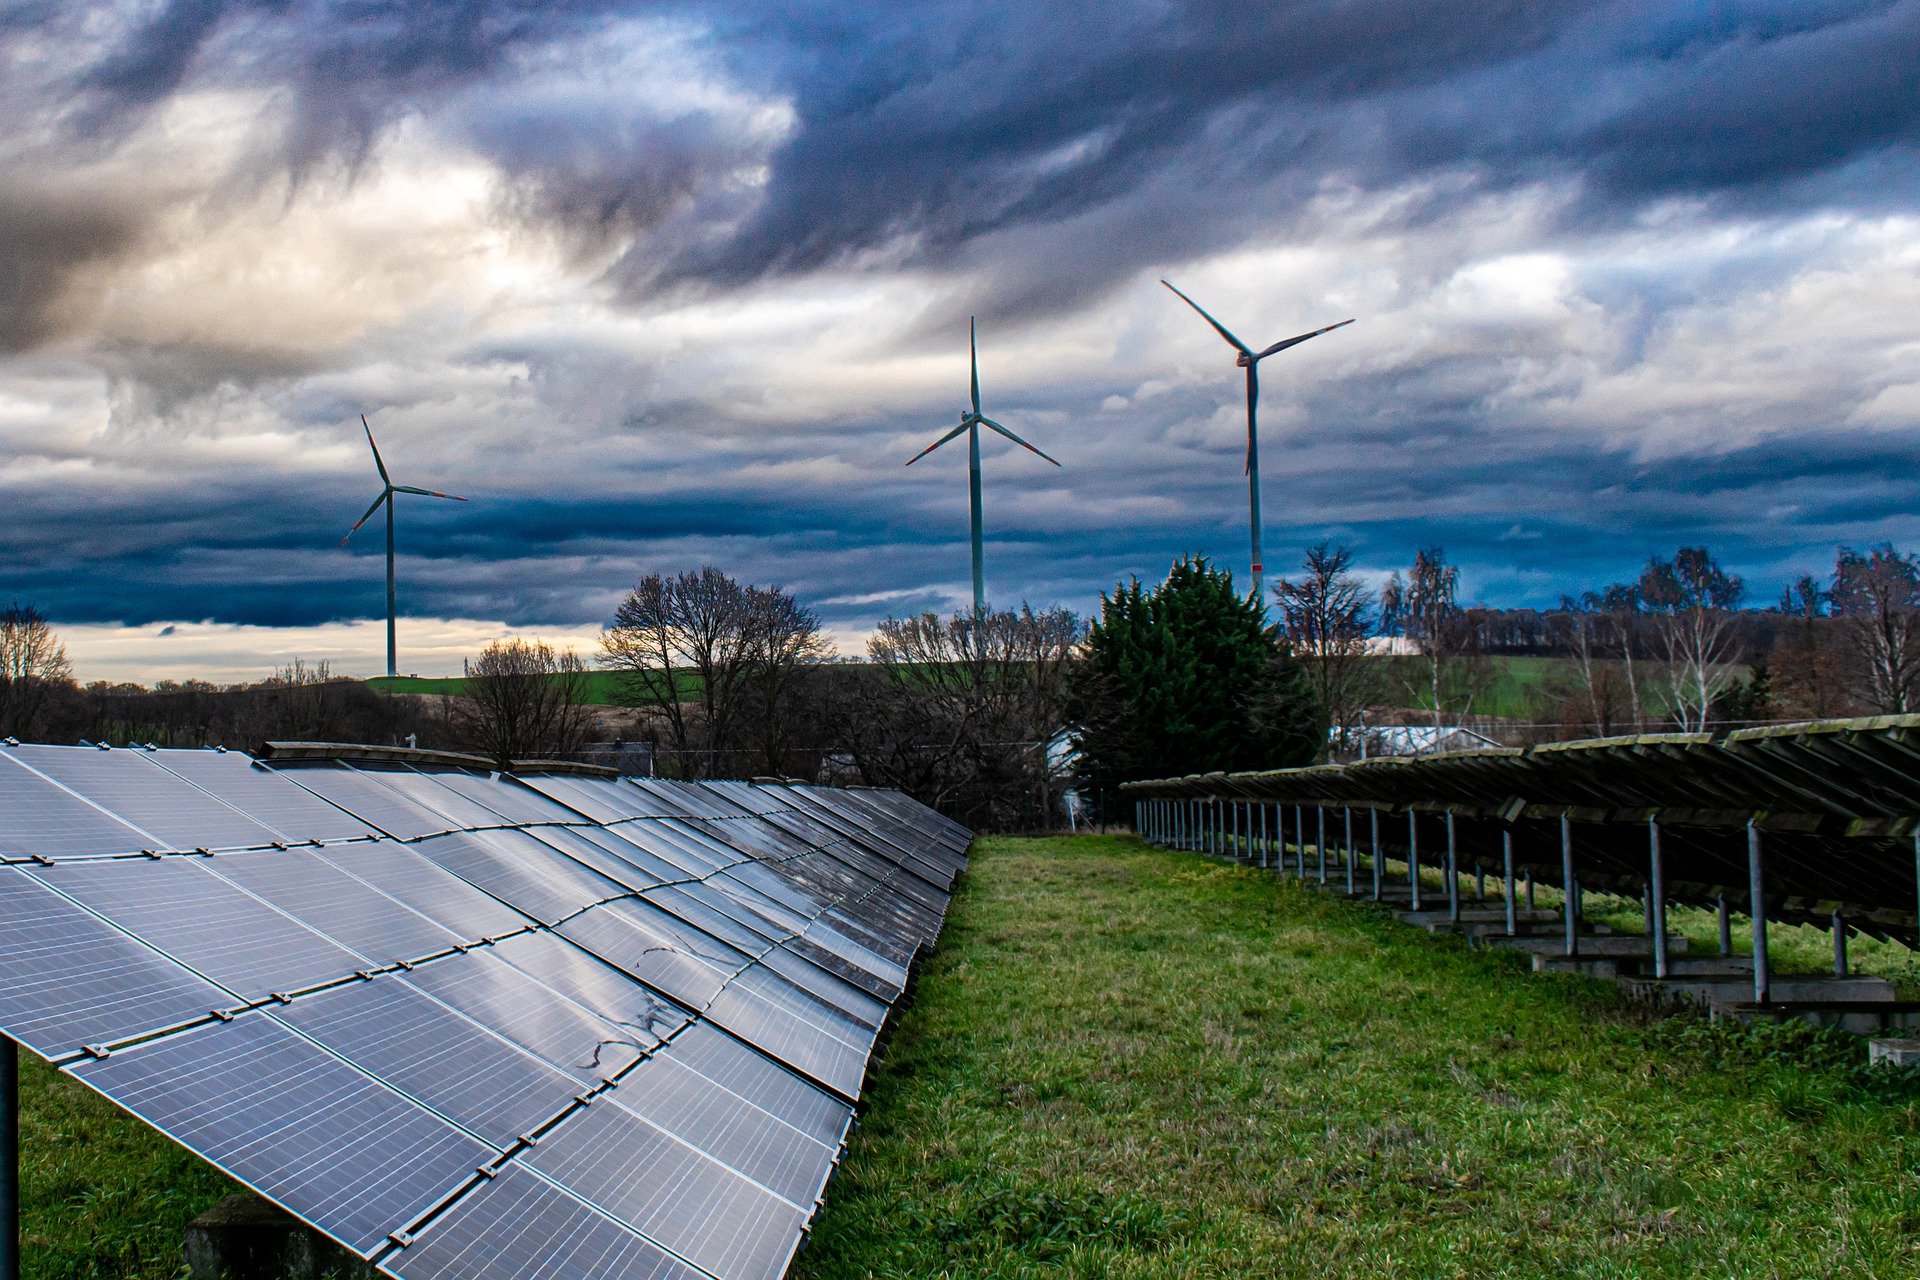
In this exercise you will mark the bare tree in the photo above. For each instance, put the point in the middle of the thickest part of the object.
(1433, 620)
(962, 712)
(681, 646)
(1692, 600)
(33, 668)
(524, 701)
(1326, 616)
(1878, 594)
(783, 644)
(1808, 666)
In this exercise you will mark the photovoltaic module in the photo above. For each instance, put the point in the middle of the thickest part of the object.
(546, 1023)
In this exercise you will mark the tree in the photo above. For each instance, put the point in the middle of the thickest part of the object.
(1878, 595)
(1189, 678)
(1692, 600)
(962, 712)
(1326, 616)
(1430, 613)
(681, 647)
(1808, 679)
(33, 670)
(524, 701)
(783, 643)
(1622, 606)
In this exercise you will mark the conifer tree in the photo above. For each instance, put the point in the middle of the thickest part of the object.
(1190, 678)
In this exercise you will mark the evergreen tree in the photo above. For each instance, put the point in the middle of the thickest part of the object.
(1189, 678)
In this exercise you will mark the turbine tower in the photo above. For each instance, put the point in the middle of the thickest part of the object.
(387, 490)
(971, 422)
(1249, 359)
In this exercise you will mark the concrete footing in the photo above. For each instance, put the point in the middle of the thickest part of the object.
(1894, 1052)
(246, 1237)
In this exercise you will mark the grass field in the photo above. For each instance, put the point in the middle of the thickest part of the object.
(1127, 1062)
(603, 687)
(1135, 1063)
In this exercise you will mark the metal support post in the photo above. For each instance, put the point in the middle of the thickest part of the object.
(1413, 857)
(1570, 892)
(9, 1159)
(1506, 862)
(1349, 853)
(1453, 875)
(1839, 944)
(1529, 890)
(1265, 843)
(1300, 840)
(1726, 924)
(1320, 840)
(1375, 814)
(1657, 898)
(1480, 881)
(1757, 897)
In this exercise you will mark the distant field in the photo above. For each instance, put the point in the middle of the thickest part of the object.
(603, 687)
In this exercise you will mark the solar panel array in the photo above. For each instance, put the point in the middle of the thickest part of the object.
(469, 1025)
(1835, 804)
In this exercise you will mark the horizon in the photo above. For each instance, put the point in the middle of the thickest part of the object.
(655, 289)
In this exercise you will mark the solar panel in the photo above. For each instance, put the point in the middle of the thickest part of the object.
(263, 795)
(67, 979)
(140, 793)
(214, 928)
(704, 1114)
(711, 1215)
(433, 1055)
(401, 873)
(463, 1025)
(290, 1119)
(44, 819)
(521, 1225)
(545, 1022)
(348, 911)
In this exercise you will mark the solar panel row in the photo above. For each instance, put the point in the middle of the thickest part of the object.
(472, 1025)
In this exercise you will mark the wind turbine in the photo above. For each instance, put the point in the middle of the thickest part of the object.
(971, 422)
(1249, 359)
(387, 490)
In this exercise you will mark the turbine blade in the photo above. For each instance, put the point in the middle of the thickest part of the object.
(973, 351)
(384, 495)
(1219, 328)
(426, 493)
(989, 422)
(1294, 342)
(376, 452)
(964, 424)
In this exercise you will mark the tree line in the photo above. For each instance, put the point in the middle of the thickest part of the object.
(994, 717)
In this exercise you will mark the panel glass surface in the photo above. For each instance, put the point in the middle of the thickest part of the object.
(511, 1004)
(349, 911)
(686, 1200)
(521, 1227)
(127, 784)
(363, 796)
(426, 789)
(791, 1039)
(263, 795)
(294, 1122)
(652, 950)
(42, 819)
(593, 984)
(400, 872)
(67, 980)
(474, 1078)
(629, 867)
(774, 1089)
(508, 797)
(212, 927)
(601, 799)
(703, 1114)
(517, 869)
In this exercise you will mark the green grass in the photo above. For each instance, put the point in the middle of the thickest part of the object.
(1125, 1062)
(603, 687)
(101, 1194)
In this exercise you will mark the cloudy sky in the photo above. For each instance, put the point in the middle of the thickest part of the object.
(658, 285)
